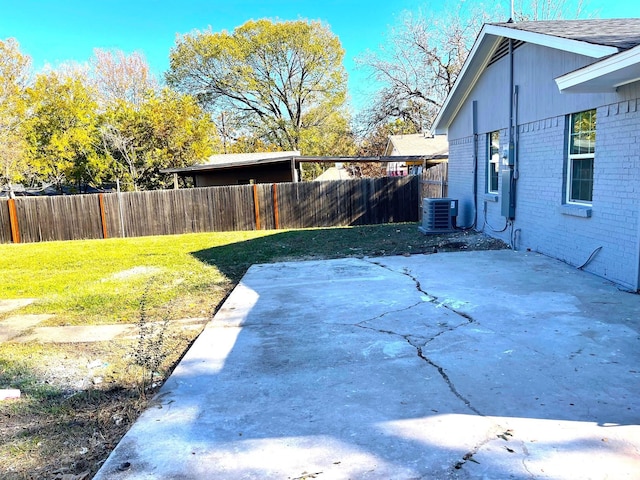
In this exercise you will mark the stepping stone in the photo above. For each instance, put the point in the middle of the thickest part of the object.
(86, 333)
(13, 326)
(9, 394)
(8, 305)
(78, 334)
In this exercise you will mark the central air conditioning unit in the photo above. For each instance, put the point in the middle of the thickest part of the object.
(438, 215)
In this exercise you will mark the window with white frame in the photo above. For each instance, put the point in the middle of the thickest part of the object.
(582, 147)
(493, 161)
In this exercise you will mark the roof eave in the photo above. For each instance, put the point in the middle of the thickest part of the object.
(579, 47)
(222, 166)
(604, 76)
(484, 47)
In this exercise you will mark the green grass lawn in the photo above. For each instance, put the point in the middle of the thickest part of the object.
(103, 281)
(59, 425)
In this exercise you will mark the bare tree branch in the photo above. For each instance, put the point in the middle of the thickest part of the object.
(420, 66)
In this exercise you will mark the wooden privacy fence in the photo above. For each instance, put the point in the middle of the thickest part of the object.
(244, 207)
(435, 181)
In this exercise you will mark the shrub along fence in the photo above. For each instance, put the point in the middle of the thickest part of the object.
(231, 208)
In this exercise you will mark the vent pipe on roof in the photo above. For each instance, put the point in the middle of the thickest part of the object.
(511, 13)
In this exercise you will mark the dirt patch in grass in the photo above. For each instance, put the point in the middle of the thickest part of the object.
(131, 272)
(70, 440)
(78, 400)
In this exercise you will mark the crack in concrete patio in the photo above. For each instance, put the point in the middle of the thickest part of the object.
(468, 320)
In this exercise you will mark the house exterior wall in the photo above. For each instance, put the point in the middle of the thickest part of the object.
(462, 171)
(543, 223)
(397, 169)
(535, 69)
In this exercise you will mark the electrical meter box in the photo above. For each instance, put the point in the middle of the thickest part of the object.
(508, 210)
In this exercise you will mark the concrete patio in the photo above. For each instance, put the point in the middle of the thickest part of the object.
(467, 365)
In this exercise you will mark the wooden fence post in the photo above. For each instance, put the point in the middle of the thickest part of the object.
(119, 193)
(276, 214)
(103, 217)
(256, 205)
(13, 220)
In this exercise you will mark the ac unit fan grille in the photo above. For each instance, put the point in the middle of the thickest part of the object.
(437, 215)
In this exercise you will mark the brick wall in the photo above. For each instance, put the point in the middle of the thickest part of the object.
(542, 224)
(461, 171)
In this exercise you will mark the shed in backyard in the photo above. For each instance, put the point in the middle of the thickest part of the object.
(242, 169)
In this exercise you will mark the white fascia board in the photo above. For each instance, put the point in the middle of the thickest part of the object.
(574, 46)
(605, 75)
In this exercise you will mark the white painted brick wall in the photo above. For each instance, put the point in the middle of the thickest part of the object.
(462, 171)
(540, 193)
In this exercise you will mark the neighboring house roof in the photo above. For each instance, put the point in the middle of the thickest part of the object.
(612, 41)
(234, 160)
(417, 144)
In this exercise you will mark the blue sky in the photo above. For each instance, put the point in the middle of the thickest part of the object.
(52, 32)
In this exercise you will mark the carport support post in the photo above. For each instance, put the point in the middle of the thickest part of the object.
(294, 171)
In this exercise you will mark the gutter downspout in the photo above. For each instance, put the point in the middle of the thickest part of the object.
(513, 89)
(475, 164)
(636, 287)
(516, 159)
(511, 142)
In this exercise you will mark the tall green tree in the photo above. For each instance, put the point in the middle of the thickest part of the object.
(14, 78)
(277, 76)
(62, 131)
(332, 139)
(166, 130)
(144, 128)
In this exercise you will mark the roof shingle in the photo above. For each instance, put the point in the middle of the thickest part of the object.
(622, 33)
